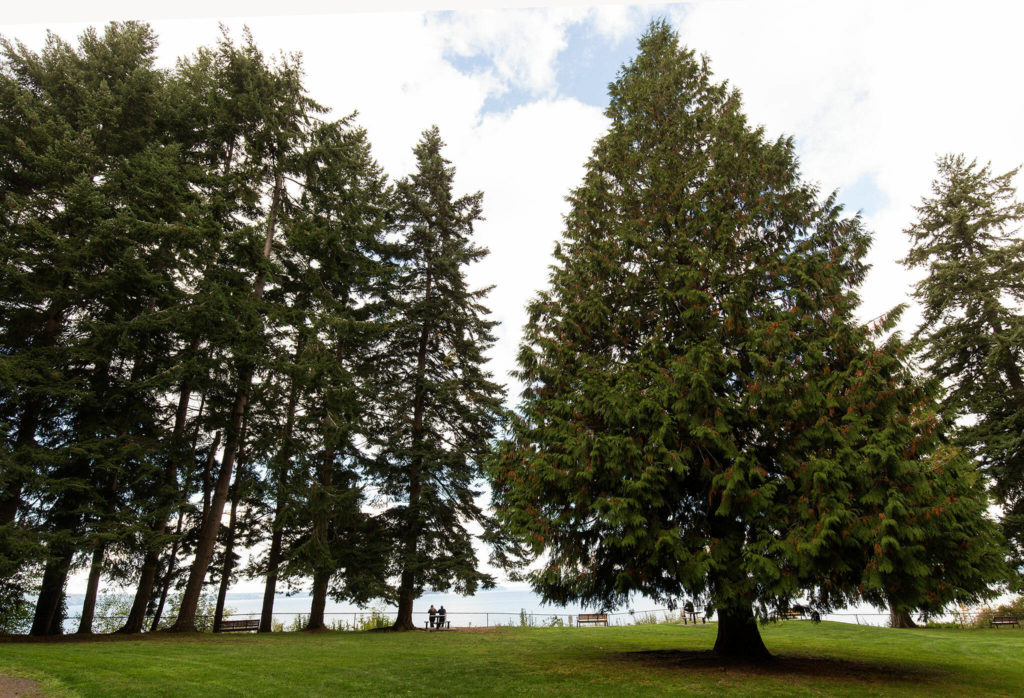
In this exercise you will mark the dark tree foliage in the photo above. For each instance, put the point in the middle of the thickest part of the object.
(702, 415)
(967, 236)
(441, 407)
(93, 194)
(206, 315)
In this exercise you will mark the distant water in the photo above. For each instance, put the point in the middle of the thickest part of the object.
(499, 606)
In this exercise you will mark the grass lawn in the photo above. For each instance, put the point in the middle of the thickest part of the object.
(829, 659)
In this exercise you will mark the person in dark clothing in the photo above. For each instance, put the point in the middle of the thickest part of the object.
(688, 608)
(441, 616)
(432, 613)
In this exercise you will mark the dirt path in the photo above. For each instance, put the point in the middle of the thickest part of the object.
(23, 688)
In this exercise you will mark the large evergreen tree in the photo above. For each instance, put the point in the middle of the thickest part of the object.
(94, 192)
(441, 409)
(701, 413)
(967, 237)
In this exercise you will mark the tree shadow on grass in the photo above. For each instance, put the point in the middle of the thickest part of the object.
(782, 666)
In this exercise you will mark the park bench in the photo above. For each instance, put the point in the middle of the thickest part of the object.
(692, 613)
(438, 625)
(593, 618)
(790, 614)
(1004, 620)
(245, 624)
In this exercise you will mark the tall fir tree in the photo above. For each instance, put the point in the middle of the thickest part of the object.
(98, 241)
(700, 415)
(270, 104)
(441, 409)
(968, 238)
(339, 266)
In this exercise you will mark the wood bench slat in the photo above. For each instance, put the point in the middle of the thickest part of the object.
(228, 626)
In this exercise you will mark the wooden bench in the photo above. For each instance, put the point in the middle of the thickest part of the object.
(233, 626)
(790, 614)
(1004, 620)
(438, 625)
(591, 618)
(692, 613)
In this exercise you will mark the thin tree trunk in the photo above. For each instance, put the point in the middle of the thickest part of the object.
(270, 589)
(321, 534)
(151, 561)
(169, 574)
(407, 582)
(283, 463)
(229, 560)
(211, 524)
(92, 589)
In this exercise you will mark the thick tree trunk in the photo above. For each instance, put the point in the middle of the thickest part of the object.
(316, 609)
(900, 618)
(229, 561)
(738, 635)
(92, 590)
(51, 593)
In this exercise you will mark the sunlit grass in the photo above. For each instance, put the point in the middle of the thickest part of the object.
(830, 658)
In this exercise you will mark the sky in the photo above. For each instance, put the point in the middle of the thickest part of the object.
(871, 92)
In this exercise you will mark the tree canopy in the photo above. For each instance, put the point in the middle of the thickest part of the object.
(967, 237)
(702, 414)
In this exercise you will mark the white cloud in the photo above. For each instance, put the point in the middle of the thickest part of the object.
(874, 89)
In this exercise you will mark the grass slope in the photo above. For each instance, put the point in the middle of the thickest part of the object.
(830, 658)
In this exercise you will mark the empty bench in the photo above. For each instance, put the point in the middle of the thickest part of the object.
(233, 626)
(591, 619)
(1004, 620)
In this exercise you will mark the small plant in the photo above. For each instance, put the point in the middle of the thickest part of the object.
(205, 610)
(645, 619)
(376, 620)
(525, 619)
(298, 624)
(555, 622)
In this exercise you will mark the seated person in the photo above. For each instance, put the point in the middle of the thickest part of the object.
(441, 616)
(432, 613)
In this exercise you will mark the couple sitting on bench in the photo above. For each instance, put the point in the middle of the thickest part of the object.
(437, 616)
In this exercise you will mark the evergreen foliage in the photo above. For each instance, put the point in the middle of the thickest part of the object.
(201, 317)
(702, 415)
(967, 237)
(441, 407)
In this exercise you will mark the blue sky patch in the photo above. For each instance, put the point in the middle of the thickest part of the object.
(864, 196)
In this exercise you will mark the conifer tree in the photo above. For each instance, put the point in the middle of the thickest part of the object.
(967, 237)
(338, 269)
(270, 104)
(97, 242)
(701, 414)
(441, 408)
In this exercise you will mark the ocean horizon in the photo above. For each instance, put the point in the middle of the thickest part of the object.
(489, 607)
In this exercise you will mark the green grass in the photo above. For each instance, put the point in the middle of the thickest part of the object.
(825, 659)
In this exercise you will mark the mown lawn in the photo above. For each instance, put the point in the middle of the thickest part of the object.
(825, 659)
